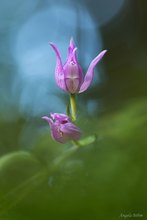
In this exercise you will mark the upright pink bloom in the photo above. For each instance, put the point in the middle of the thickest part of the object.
(62, 129)
(69, 77)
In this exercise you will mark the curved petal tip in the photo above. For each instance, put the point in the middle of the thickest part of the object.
(89, 75)
(53, 45)
(47, 119)
(103, 52)
(72, 44)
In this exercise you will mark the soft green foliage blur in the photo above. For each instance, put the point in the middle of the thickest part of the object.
(101, 180)
(41, 179)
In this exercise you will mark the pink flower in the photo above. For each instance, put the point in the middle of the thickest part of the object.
(69, 77)
(62, 129)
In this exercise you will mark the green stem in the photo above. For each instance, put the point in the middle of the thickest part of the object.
(76, 143)
(73, 106)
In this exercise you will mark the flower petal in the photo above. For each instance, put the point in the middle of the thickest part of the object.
(71, 47)
(59, 117)
(59, 73)
(49, 120)
(71, 131)
(56, 134)
(73, 75)
(89, 75)
(72, 44)
(72, 52)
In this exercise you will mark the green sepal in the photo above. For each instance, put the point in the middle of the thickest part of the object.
(88, 140)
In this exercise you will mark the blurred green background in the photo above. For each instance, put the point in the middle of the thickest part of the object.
(104, 180)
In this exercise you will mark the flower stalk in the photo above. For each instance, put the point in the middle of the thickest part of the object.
(73, 107)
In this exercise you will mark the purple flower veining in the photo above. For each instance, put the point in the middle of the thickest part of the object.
(62, 129)
(69, 77)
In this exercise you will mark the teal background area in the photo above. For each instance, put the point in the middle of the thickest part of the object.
(39, 178)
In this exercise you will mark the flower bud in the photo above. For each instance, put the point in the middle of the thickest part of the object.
(62, 129)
